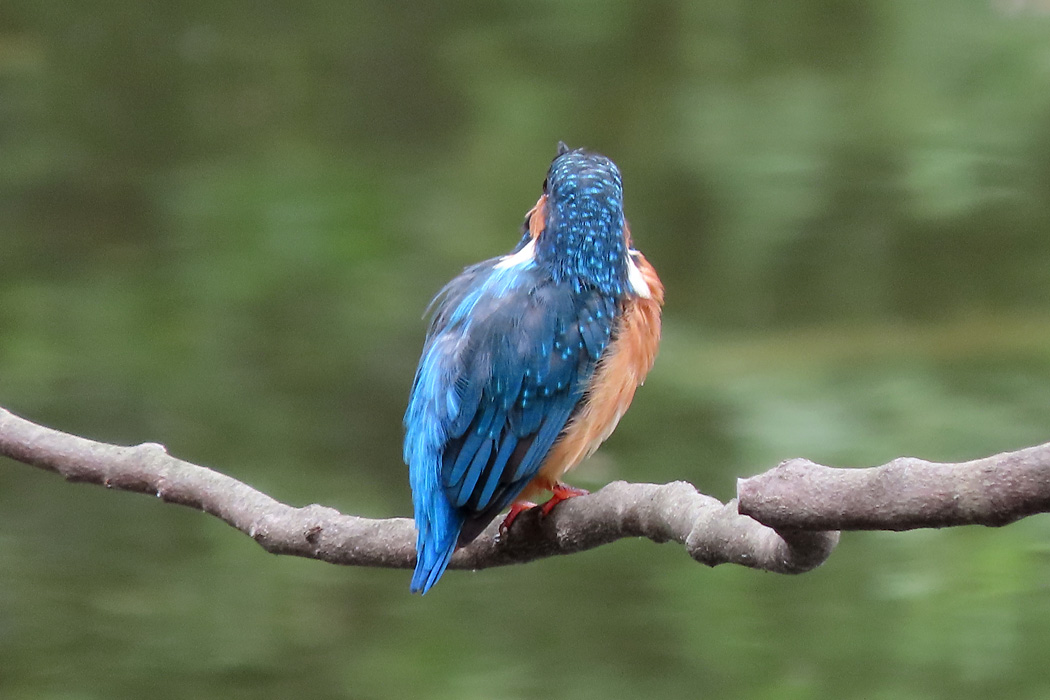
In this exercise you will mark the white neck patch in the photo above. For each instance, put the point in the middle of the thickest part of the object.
(635, 278)
(527, 256)
(523, 257)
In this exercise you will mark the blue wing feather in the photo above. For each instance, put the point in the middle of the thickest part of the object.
(554, 421)
(463, 452)
(507, 358)
(499, 462)
(527, 415)
(469, 398)
(478, 460)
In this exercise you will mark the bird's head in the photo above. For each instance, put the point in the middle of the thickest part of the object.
(578, 226)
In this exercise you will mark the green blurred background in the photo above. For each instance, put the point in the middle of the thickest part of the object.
(220, 223)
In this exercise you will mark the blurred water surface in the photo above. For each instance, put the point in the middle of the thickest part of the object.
(220, 223)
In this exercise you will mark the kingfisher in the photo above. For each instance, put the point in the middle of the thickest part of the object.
(529, 362)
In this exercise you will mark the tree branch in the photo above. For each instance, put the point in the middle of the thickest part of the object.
(904, 494)
(713, 533)
(786, 521)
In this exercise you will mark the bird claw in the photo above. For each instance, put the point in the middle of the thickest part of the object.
(512, 515)
(561, 492)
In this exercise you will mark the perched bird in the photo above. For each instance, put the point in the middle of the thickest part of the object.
(530, 361)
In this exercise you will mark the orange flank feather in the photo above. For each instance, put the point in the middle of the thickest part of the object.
(621, 369)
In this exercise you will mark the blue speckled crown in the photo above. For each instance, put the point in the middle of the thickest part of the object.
(583, 239)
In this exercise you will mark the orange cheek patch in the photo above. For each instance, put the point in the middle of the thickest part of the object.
(538, 217)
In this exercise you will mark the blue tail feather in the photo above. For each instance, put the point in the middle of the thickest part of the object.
(431, 562)
(438, 526)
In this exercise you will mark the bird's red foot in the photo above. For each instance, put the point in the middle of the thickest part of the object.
(515, 511)
(561, 492)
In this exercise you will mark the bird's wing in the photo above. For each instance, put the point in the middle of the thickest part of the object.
(508, 358)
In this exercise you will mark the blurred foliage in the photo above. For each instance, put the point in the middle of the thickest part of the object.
(221, 223)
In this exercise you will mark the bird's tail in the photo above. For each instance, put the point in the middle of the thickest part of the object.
(439, 529)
